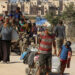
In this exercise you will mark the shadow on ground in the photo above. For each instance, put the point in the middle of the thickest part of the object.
(55, 74)
(15, 62)
(15, 52)
(59, 74)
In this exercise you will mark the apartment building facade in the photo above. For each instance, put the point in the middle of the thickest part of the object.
(36, 7)
(3, 6)
(61, 3)
(67, 2)
(27, 7)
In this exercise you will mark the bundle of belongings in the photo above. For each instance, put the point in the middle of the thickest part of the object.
(31, 59)
(24, 56)
(28, 56)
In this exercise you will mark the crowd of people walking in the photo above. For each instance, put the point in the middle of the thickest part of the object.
(9, 22)
(48, 36)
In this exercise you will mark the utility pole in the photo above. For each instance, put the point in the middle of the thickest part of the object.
(8, 6)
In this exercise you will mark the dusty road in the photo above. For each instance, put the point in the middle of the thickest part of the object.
(16, 67)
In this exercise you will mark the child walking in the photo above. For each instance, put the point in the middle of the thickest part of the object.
(65, 54)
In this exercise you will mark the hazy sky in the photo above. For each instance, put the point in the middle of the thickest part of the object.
(14, 0)
(21, 0)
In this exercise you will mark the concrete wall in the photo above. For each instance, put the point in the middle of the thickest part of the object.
(27, 7)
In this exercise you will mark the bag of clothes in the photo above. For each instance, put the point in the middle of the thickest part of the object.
(55, 64)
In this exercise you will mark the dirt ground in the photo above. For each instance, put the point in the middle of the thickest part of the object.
(16, 67)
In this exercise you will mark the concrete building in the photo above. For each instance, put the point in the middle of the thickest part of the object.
(54, 2)
(46, 7)
(33, 2)
(3, 6)
(27, 7)
(61, 3)
(35, 7)
(38, 7)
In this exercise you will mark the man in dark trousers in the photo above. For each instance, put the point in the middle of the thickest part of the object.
(6, 40)
(0, 41)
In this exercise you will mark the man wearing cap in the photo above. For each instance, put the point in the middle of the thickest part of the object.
(45, 50)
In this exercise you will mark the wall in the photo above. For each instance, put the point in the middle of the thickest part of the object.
(3, 6)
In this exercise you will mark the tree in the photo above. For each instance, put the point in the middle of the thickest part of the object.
(68, 14)
(52, 19)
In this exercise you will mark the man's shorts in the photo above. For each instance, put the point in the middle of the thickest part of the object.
(45, 59)
(63, 62)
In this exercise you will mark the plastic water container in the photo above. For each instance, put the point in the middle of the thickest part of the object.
(55, 64)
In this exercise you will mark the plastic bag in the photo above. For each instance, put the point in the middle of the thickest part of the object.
(55, 64)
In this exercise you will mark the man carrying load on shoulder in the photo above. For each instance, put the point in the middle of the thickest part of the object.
(45, 50)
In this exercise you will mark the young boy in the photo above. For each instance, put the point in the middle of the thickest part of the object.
(65, 56)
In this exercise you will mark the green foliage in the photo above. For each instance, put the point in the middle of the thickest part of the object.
(1, 14)
(69, 13)
(55, 20)
(52, 19)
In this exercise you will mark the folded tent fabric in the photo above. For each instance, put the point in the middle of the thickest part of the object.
(40, 22)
